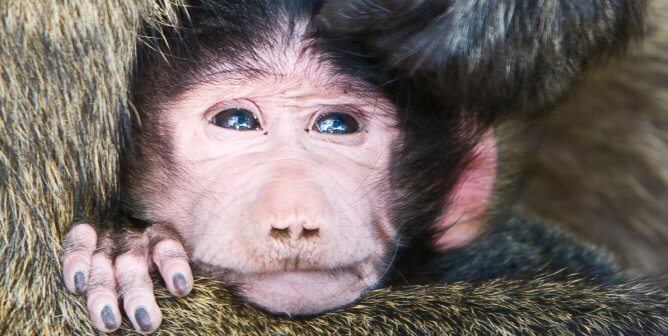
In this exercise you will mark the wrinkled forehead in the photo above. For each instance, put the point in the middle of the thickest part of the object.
(294, 62)
(264, 41)
(294, 56)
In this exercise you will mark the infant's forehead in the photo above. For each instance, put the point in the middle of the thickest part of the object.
(316, 77)
(292, 55)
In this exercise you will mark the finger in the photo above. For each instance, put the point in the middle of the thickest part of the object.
(102, 299)
(172, 261)
(78, 246)
(136, 288)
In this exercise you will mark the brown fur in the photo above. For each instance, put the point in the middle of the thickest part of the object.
(602, 170)
(63, 86)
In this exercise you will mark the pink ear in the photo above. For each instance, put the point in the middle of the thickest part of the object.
(468, 202)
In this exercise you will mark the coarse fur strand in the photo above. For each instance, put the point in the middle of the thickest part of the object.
(66, 70)
(497, 59)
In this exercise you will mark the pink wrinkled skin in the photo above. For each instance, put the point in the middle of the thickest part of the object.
(294, 217)
(470, 197)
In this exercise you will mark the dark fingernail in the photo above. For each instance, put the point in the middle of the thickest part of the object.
(79, 282)
(180, 283)
(108, 318)
(142, 318)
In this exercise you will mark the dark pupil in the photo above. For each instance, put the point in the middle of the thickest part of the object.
(236, 119)
(336, 123)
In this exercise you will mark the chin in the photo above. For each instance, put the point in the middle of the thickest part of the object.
(304, 292)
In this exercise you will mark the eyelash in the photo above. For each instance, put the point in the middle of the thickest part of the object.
(361, 117)
(246, 104)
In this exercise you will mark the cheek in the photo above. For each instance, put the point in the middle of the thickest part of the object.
(239, 194)
(309, 217)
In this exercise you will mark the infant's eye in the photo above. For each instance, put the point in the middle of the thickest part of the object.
(238, 119)
(336, 123)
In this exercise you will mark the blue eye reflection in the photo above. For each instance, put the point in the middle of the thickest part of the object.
(238, 119)
(336, 123)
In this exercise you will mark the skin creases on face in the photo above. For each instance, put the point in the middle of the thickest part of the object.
(282, 184)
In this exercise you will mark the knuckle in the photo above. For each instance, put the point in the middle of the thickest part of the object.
(99, 283)
(165, 245)
(159, 233)
(132, 272)
(80, 237)
(101, 273)
(169, 249)
(129, 283)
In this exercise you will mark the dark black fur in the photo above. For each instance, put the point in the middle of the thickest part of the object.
(457, 67)
(491, 58)
(513, 247)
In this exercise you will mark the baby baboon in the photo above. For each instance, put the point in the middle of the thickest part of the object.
(300, 163)
(64, 78)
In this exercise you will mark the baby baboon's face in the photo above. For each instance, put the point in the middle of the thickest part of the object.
(279, 182)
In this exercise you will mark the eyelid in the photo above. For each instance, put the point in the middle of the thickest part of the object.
(246, 104)
(361, 117)
(254, 123)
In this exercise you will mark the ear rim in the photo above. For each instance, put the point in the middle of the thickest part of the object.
(465, 209)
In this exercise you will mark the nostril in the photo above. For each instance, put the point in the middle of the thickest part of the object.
(307, 233)
(279, 233)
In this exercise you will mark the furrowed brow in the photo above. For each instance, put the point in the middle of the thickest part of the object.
(244, 75)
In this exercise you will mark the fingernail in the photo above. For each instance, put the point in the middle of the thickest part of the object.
(79, 282)
(180, 283)
(108, 318)
(142, 318)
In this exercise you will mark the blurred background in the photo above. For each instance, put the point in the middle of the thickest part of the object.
(601, 168)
